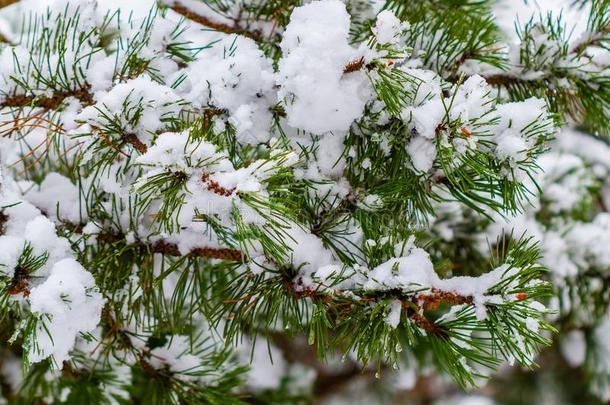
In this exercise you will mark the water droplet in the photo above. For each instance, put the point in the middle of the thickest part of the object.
(398, 348)
(377, 375)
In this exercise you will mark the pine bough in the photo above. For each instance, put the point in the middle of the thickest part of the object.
(217, 173)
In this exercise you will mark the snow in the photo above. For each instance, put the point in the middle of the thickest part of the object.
(236, 76)
(315, 52)
(393, 317)
(388, 27)
(509, 11)
(565, 182)
(593, 150)
(422, 152)
(68, 304)
(266, 371)
(413, 270)
(41, 233)
(307, 251)
(58, 198)
(139, 104)
(26, 227)
(573, 348)
(176, 356)
(179, 151)
(515, 122)
(471, 100)
(556, 255)
(472, 105)
(511, 146)
(518, 115)
(588, 242)
(62, 293)
(427, 117)
(10, 251)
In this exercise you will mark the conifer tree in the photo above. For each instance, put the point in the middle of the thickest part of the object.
(228, 202)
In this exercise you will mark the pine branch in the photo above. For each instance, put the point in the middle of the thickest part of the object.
(188, 146)
(414, 306)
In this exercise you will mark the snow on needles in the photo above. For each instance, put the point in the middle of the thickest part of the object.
(62, 295)
(189, 143)
(319, 96)
(472, 105)
(388, 27)
(70, 302)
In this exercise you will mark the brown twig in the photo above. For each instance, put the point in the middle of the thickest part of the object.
(359, 64)
(227, 254)
(501, 80)
(130, 139)
(133, 140)
(48, 102)
(215, 187)
(171, 249)
(6, 3)
(354, 66)
(432, 299)
(216, 26)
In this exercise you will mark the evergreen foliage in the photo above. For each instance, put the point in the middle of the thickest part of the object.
(192, 190)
